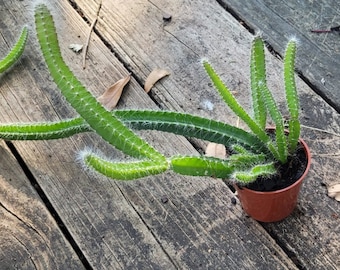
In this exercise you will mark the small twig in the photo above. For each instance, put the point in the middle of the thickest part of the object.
(335, 29)
(89, 35)
(321, 130)
(320, 31)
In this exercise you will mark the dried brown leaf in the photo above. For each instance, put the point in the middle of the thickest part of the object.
(154, 77)
(216, 150)
(334, 192)
(111, 96)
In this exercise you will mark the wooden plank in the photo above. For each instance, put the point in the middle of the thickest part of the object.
(136, 32)
(126, 225)
(98, 225)
(319, 54)
(29, 235)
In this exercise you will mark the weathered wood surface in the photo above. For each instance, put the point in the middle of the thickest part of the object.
(29, 235)
(166, 221)
(319, 54)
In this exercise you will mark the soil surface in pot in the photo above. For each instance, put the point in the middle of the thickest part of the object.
(288, 173)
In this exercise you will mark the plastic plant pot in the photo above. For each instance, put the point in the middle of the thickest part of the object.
(272, 206)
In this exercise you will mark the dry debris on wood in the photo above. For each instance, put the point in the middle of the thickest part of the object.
(216, 150)
(77, 48)
(334, 191)
(154, 77)
(111, 96)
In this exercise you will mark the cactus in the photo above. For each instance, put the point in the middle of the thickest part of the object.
(291, 96)
(15, 52)
(254, 153)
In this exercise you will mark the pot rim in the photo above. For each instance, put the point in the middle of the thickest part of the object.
(297, 182)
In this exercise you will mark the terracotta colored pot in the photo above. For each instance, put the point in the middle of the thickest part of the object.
(276, 205)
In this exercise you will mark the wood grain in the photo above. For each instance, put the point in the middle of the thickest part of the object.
(199, 30)
(122, 225)
(167, 221)
(319, 54)
(29, 235)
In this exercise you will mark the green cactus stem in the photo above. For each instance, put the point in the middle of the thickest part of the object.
(99, 119)
(15, 52)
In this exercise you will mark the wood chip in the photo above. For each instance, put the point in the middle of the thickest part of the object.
(111, 96)
(154, 77)
(334, 192)
(216, 150)
(77, 48)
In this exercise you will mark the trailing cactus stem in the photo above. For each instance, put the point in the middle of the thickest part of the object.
(201, 166)
(243, 160)
(15, 52)
(234, 105)
(123, 170)
(173, 122)
(99, 119)
(281, 144)
(246, 177)
(294, 134)
(44, 131)
(257, 77)
(289, 79)
(190, 126)
(291, 96)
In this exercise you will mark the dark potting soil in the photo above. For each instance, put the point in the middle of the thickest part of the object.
(287, 174)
